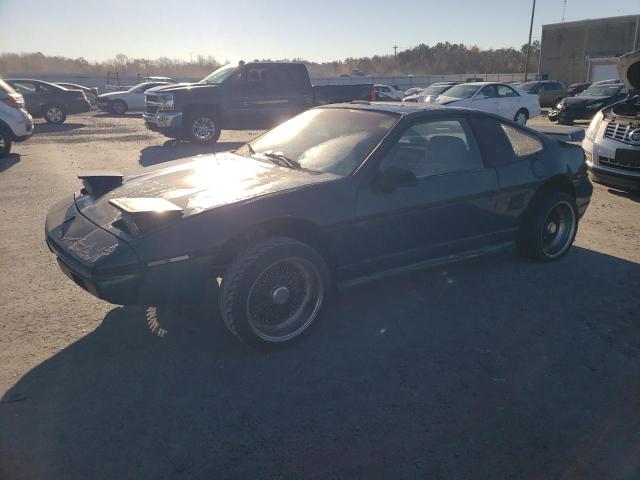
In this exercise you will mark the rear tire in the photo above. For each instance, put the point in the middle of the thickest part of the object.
(549, 227)
(202, 127)
(118, 107)
(5, 143)
(274, 291)
(54, 114)
(521, 117)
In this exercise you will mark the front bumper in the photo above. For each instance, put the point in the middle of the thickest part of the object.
(601, 155)
(108, 268)
(569, 115)
(162, 120)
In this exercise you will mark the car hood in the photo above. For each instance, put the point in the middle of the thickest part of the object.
(181, 87)
(582, 101)
(444, 100)
(629, 69)
(201, 183)
(107, 96)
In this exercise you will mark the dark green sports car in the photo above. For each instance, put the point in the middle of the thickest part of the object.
(335, 196)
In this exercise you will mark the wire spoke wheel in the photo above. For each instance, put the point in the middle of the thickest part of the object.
(285, 299)
(203, 129)
(521, 118)
(558, 229)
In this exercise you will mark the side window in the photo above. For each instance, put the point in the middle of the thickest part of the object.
(24, 88)
(488, 91)
(435, 147)
(496, 147)
(505, 91)
(523, 144)
(255, 76)
(42, 88)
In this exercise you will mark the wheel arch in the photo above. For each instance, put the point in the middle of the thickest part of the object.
(4, 126)
(300, 229)
(211, 108)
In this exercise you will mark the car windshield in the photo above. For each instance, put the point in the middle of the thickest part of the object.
(462, 91)
(330, 140)
(135, 87)
(220, 75)
(435, 89)
(528, 86)
(601, 91)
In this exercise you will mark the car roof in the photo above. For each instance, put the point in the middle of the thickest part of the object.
(395, 107)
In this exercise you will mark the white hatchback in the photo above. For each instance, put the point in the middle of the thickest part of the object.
(499, 98)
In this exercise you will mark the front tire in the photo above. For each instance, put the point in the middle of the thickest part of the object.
(549, 228)
(202, 128)
(274, 291)
(5, 144)
(521, 117)
(118, 107)
(54, 114)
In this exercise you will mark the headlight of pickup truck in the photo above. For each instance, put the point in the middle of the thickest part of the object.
(594, 126)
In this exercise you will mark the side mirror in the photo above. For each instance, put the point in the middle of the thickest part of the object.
(395, 177)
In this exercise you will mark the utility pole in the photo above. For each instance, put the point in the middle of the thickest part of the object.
(526, 62)
(395, 58)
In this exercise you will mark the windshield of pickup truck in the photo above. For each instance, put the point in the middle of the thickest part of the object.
(220, 75)
(329, 140)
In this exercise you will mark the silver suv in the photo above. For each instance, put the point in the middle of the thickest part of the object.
(16, 124)
(612, 141)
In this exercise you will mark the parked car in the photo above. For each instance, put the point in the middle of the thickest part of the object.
(252, 95)
(430, 94)
(90, 93)
(16, 124)
(612, 143)
(131, 100)
(499, 98)
(576, 89)
(413, 91)
(388, 92)
(337, 195)
(549, 91)
(588, 103)
(50, 101)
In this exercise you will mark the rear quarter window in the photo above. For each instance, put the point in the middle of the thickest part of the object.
(6, 88)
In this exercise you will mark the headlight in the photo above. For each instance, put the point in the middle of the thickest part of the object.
(595, 106)
(594, 126)
(560, 105)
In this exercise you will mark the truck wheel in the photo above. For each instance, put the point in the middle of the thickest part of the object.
(274, 291)
(203, 128)
(549, 228)
(521, 117)
(54, 114)
(5, 143)
(118, 107)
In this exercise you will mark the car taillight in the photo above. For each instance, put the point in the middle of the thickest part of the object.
(14, 102)
(373, 96)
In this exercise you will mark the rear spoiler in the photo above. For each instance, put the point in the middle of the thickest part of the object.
(560, 132)
(142, 214)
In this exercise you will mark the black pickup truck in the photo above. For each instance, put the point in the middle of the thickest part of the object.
(252, 95)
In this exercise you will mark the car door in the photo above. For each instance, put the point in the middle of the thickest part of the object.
(486, 100)
(249, 103)
(33, 97)
(509, 102)
(446, 211)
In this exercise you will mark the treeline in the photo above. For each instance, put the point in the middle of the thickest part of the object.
(439, 59)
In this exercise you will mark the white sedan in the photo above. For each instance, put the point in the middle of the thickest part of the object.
(499, 98)
(130, 100)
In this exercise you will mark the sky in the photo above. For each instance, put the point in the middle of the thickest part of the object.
(321, 30)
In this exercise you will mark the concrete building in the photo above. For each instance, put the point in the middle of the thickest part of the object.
(587, 50)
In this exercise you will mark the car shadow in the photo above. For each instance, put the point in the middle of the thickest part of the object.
(43, 127)
(495, 368)
(101, 114)
(175, 149)
(631, 195)
(9, 161)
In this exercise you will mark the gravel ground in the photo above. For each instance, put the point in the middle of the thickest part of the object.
(494, 368)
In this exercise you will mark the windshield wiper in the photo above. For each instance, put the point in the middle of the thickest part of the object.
(283, 160)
